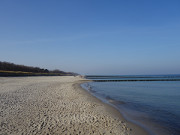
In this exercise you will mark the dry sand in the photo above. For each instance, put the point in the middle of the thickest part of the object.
(56, 105)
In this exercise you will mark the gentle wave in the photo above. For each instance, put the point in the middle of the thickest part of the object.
(153, 104)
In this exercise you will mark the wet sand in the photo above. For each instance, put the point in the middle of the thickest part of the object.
(56, 105)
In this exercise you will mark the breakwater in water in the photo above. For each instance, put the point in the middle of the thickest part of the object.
(150, 101)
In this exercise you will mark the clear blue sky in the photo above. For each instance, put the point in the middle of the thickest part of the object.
(92, 36)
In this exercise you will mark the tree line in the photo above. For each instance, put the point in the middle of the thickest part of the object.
(14, 67)
(7, 66)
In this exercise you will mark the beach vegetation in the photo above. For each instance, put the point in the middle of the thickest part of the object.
(11, 69)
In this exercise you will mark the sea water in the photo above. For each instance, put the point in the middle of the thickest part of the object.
(154, 105)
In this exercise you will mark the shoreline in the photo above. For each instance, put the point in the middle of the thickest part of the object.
(142, 119)
(57, 105)
(136, 128)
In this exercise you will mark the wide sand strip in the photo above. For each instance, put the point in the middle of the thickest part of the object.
(56, 105)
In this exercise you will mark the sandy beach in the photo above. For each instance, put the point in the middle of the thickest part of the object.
(56, 105)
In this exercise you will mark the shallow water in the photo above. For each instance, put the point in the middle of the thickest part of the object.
(155, 105)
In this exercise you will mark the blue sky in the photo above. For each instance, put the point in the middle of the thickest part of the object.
(92, 36)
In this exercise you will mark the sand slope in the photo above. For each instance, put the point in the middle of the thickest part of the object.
(53, 105)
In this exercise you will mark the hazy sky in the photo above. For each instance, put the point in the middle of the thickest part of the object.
(92, 36)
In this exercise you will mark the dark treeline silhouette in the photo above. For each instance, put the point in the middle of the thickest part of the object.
(13, 67)
(15, 70)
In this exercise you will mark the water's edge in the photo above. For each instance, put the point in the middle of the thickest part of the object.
(144, 127)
